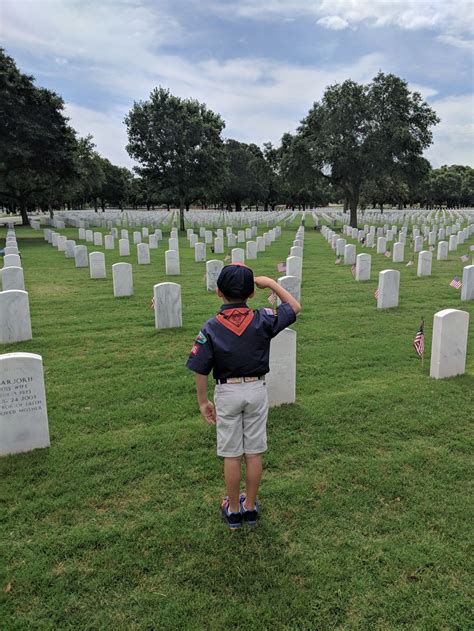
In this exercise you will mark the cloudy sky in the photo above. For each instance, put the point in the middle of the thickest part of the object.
(259, 63)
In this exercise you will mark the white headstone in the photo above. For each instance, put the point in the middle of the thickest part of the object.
(24, 417)
(363, 267)
(418, 244)
(389, 287)
(218, 245)
(173, 244)
(200, 252)
(238, 255)
(425, 259)
(213, 269)
(398, 252)
(167, 305)
(98, 238)
(80, 256)
(15, 323)
(260, 244)
(292, 284)
(281, 380)
(467, 289)
(381, 245)
(349, 254)
(122, 276)
(449, 343)
(172, 265)
(442, 251)
(89, 236)
(137, 237)
(124, 247)
(294, 266)
(251, 250)
(143, 254)
(453, 243)
(12, 260)
(152, 242)
(109, 242)
(12, 278)
(97, 265)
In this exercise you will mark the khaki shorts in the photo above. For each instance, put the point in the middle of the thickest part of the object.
(242, 410)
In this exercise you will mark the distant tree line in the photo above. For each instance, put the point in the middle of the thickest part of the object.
(361, 145)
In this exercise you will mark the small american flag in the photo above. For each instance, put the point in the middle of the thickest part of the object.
(227, 259)
(456, 283)
(464, 258)
(388, 254)
(377, 293)
(431, 248)
(471, 248)
(409, 264)
(338, 261)
(272, 298)
(281, 267)
(353, 270)
(152, 303)
(419, 341)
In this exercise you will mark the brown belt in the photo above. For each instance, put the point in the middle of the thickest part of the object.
(240, 379)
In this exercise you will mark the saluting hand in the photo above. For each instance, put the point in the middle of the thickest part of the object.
(263, 282)
(208, 412)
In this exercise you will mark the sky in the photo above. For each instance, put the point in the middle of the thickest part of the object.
(261, 64)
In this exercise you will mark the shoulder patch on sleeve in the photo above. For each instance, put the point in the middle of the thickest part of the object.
(194, 350)
(269, 311)
(201, 338)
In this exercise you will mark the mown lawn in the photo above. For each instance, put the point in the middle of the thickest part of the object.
(366, 502)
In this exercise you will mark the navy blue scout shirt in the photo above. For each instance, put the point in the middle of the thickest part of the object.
(236, 342)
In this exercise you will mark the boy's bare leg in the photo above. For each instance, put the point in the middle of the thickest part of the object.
(252, 479)
(232, 482)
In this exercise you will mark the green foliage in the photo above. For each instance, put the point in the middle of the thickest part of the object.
(451, 185)
(37, 146)
(359, 134)
(177, 141)
(366, 513)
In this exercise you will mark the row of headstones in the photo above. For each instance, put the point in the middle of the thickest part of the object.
(389, 280)
(15, 321)
(12, 271)
(401, 217)
(398, 253)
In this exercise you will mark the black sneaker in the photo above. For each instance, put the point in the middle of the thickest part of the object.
(249, 517)
(232, 520)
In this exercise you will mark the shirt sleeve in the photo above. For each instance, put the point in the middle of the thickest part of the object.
(283, 318)
(201, 357)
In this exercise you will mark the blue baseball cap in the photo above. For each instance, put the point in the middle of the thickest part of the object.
(236, 281)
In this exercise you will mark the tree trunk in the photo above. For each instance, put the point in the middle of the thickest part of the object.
(95, 204)
(353, 208)
(381, 207)
(238, 206)
(24, 213)
(346, 204)
(181, 213)
(102, 205)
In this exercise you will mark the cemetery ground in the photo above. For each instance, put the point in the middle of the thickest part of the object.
(366, 513)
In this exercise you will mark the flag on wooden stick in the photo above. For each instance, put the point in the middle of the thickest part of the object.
(353, 270)
(409, 264)
(272, 298)
(465, 258)
(152, 303)
(377, 293)
(281, 267)
(456, 283)
(419, 341)
(338, 260)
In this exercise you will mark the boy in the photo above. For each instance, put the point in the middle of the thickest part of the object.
(235, 344)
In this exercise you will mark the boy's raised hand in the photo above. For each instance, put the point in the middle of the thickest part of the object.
(208, 412)
(264, 282)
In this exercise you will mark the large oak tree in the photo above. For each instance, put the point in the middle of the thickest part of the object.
(177, 141)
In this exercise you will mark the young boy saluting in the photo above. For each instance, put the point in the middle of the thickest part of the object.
(235, 345)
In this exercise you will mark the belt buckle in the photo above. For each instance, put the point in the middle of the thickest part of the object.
(234, 380)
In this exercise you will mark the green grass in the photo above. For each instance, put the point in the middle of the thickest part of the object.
(367, 509)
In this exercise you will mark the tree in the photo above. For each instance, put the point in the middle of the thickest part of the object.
(116, 186)
(179, 140)
(360, 133)
(36, 143)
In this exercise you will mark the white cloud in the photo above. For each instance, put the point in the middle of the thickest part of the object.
(449, 17)
(454, 136)
(333, 22)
